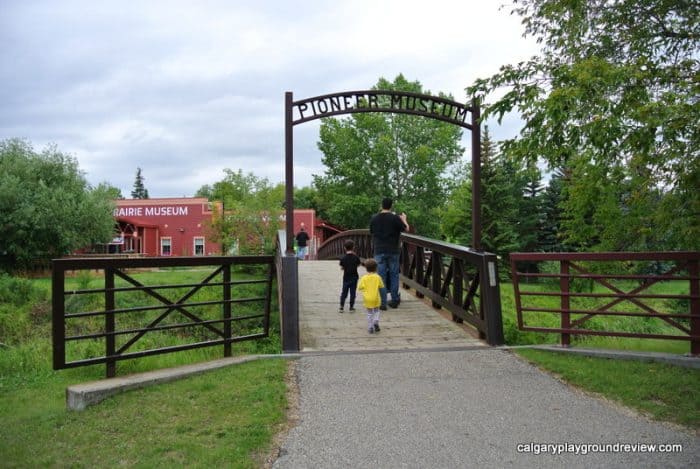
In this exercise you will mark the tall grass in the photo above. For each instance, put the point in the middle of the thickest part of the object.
(223, 418)
(25, 322)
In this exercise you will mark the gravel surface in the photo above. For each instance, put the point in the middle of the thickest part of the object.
(453, 409)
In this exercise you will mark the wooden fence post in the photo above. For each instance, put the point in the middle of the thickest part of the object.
(694, 272)
(565, 287)
(110, 340)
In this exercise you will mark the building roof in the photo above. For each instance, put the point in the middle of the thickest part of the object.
(162, 201)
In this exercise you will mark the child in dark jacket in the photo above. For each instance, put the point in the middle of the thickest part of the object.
(349, 263)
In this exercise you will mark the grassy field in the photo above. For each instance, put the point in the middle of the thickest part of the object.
(25, 321)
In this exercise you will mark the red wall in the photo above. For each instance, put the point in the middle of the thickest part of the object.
(183, 219)
(180, 219)
(307, 217)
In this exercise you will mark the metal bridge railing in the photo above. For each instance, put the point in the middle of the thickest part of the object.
(463, 281)
(334, 247)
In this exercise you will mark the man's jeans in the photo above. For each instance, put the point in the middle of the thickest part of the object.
(388, 269)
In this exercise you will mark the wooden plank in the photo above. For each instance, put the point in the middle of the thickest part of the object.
(413, 325)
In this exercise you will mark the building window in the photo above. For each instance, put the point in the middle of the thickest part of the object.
(199, 245)
(165, 246)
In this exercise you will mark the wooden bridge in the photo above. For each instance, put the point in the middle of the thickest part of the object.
(415, 324)
(450, 299)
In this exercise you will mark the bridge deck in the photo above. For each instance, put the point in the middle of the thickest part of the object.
(414, 325)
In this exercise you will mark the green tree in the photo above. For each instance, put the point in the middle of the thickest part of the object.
(374, 155)
(503, 183)
(613, 96)
(252, 212)
(205, 191)
(306, 197)
(530, 211)
(613, 210)
(112, 192)
(139, 191)
(47, 209)
(550, 233)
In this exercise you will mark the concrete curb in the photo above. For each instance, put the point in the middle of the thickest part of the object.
(677, 360)
(81, 396)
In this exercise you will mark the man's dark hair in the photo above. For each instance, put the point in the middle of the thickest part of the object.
(349, 244)
(387, 203)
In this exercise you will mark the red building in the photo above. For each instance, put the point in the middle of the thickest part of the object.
(178, 227)
(164, 227)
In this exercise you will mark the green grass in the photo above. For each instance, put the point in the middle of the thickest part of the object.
(676, 347)
(664, 392)
(224, 418)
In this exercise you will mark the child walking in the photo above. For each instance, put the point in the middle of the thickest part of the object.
(349, 263)
(370, 285)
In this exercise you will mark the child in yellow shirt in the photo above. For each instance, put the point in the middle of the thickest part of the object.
(370, 285)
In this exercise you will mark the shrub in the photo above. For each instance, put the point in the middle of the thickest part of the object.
(22, 307)
(16, 291)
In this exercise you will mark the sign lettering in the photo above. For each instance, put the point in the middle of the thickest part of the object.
(151, 211)
(385, 101)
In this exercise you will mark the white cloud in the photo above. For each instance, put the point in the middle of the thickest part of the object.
(185, 89)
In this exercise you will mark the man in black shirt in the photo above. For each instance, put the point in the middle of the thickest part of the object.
(385, 228)
(302, 240)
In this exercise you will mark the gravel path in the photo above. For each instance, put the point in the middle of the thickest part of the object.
(453, 409)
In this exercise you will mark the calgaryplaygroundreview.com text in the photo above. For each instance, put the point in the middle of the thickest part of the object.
(587, 448)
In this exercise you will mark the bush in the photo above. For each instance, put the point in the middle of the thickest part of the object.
(47, 208)
(16, 291)
(23, 306)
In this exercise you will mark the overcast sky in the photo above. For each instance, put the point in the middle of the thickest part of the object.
(186, 89)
